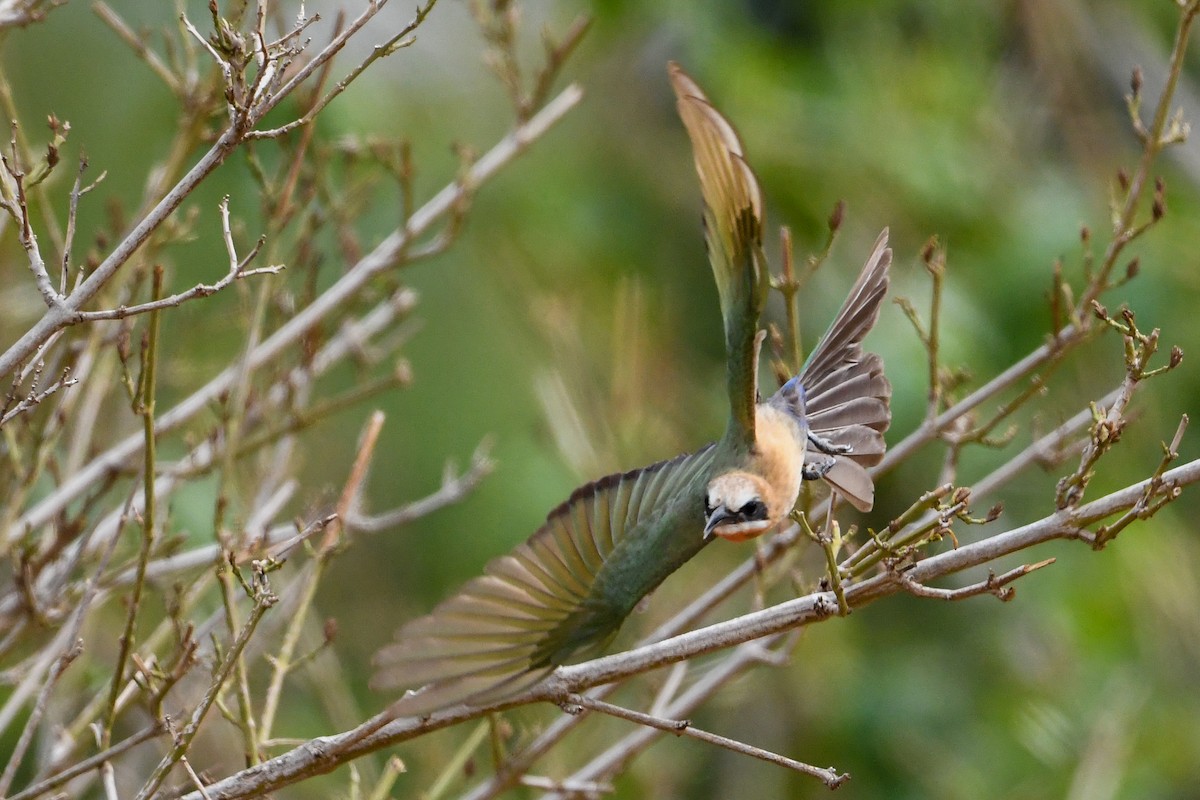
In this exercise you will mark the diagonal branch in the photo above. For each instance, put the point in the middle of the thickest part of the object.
(830, 777)
(325, 753)
(65, 311)
(237, 270)
(453, 489)
(384, 256)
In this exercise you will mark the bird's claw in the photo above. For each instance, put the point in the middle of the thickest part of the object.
(812, 470)
(829, 447)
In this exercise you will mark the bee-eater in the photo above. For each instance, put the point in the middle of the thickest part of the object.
(564, 593)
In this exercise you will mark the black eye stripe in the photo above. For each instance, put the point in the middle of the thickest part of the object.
(750, 511)
(753, 510)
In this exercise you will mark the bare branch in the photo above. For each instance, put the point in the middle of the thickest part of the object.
(993, 585)
(39, 708)
(264, 598)
(138, 45)
(243, 427)
(401, 39)
(830, 777)
(237, 270)
(325, 753)
(35, 397)
(242, 121)
(454, 488)
(351, 337)
(614, 759)
(282, 663)
(90, 763)
(586, 788)
(380, 259)
(19, 13)
(199, 784)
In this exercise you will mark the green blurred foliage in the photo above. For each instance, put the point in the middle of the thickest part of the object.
(580, 282)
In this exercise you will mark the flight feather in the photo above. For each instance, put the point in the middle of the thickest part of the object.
(733, 227)
(559, 594)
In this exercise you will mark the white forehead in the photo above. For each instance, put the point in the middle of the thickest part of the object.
(733, 490)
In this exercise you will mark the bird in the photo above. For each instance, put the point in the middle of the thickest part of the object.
(563, 594)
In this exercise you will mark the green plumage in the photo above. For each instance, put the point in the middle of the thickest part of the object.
(562, 593)
(733, 226)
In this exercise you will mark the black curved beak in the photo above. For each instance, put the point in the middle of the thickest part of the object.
(719, 515)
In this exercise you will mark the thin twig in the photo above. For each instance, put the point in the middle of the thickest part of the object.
(264, 598)
(144, 407)
(830, 777)
(90, 763)
(237, 270)
(199, 784)
(138, 45)
(453, 489)
(331, 537)
(347, 287)
(401, 39)
(33, 399)
(992, 585)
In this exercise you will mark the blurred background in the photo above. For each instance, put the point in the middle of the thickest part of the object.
(575, 324)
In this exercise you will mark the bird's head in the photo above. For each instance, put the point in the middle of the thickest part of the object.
(737, 506)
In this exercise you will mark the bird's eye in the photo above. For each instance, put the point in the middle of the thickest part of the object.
(755, 509)
(708, 507)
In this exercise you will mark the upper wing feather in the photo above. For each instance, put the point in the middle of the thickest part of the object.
(733, 226)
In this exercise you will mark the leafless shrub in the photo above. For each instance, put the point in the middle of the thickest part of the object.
(87, 527)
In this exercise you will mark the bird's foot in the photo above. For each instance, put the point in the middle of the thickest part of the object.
(829, 447)
(812, 470)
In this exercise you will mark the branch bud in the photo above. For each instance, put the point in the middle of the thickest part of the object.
(1160, 199)
(929, 249)
(835, 217)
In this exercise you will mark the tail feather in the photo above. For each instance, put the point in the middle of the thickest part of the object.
(869, 412)
(842, 342)
(852, 482)
(866, 444)
(841, 392)
(864, 378)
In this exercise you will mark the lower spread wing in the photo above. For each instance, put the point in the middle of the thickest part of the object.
(539, 605)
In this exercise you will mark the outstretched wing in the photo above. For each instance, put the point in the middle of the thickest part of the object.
(841, 391)
(565, 590)
(733, 224)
